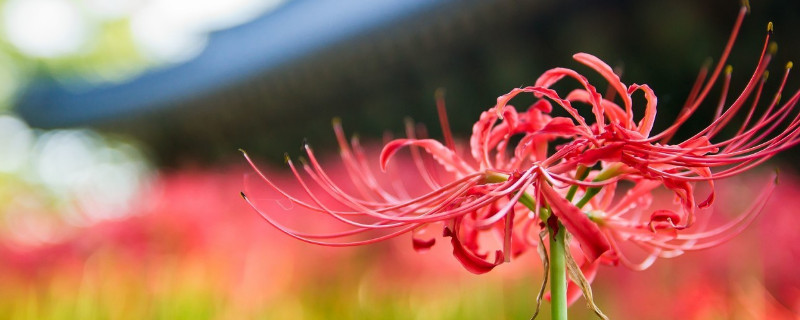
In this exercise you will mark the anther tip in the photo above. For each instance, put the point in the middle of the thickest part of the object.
(241, 193)
(408, 122)
(336, 121)
(746, 5)
(707, 62)
(242, 151)
(770, 27)
(789, 65)
(765, 76)
(286, 157)
(777, 173)
(728, 70)
(305, 143)
(773, 48)
(619, 69)
(439, 93)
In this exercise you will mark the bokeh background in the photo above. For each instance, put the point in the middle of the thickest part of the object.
(120, 122)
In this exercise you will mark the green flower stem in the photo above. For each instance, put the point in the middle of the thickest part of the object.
(580, 173)
(607, 173)
(528, 201)
(558, 274)
(558, 269)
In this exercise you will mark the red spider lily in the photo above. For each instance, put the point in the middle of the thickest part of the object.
(480, 197)
(508, 188)
(649, 162)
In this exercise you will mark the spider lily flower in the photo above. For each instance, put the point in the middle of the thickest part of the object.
(480, 198)
(509, 183)
(617, 141)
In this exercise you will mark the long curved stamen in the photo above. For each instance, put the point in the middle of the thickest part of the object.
(289, 232)
(766, 57)
(417, 158)
(711, 80)
(723, 95)
(445, 124)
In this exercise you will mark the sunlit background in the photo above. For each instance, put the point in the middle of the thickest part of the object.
(120, 122)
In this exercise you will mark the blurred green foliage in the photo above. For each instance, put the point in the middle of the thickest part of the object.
(107, 54)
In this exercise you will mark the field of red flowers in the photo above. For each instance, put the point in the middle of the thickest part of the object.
(191, 248)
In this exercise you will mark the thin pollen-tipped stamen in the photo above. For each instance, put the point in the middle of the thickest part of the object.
(401, 216)
(775, 101)
(741, 221)
(362, 177)
(330, 212)
(307, 235)
(710, 158)
(351, 165)
(324, 243)
(762, 65)
(711, 80)
(417, 158)
(753, 106)
(335, 192)
(781, 113)
(328, 183)
(745, 220)
(441, 110)
(723, 94)
(646, 263)
(698, 83)
(306, 205)
(363, 209)
(367, 174)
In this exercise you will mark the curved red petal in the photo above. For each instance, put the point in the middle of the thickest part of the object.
(421, 245)
(470, 261)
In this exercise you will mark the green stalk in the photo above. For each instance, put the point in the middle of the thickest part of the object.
(558, 274)
(580, 174)
(558, 268)
(607, 173)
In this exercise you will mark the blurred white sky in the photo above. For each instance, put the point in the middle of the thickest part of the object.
(163, 30)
